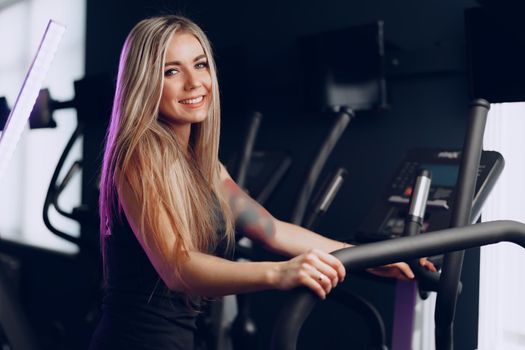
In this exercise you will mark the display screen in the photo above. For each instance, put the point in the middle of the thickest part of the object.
(442, 174)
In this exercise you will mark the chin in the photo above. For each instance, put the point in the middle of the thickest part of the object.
(201, 116)
(198, 119)
(182, 117)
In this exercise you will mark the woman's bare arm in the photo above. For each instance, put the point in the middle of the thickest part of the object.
(289, 239)
(259, 225)
(207, 275)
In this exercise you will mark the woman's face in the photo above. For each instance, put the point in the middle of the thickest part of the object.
(186, 93)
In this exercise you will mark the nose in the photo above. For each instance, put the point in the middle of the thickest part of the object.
(192, 81)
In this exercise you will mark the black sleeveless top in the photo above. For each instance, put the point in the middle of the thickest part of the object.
(138, 309)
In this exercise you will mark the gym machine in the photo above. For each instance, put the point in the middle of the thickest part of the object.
(450, 241)
(387, 218)
(251, 169)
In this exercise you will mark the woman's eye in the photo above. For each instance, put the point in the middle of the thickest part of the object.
(201, 65)
(170, 72)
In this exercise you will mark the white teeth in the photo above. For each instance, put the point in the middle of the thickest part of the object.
(192, 101)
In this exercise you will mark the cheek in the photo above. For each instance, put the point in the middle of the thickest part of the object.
(168, 96)
(165, 106)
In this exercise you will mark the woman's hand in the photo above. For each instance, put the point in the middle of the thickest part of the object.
(400, 271)
(315, 269)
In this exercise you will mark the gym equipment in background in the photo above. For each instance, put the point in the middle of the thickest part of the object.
(343, 116)
(387, 218)
(389, 215)
(453, 240)
(345, 67)
(259, 173)
(65, 320)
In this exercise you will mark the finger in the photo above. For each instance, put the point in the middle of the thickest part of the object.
(326, 270)
(314, 258)
(427, 264)
(324, 282)
(390, 271)
(331, 260)
(319, 277)
(308, 281)
(406, 270)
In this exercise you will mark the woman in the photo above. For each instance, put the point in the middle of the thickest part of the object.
(168, 206)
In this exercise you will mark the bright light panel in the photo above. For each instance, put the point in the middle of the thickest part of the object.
(29, 92)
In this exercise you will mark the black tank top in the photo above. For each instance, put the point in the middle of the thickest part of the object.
(138, 309)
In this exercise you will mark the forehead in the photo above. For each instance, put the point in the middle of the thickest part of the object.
(182, 47)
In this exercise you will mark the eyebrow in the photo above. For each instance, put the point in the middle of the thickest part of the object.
(177, 63)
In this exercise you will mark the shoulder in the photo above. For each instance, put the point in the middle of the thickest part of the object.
(126, 196)
(224, 174)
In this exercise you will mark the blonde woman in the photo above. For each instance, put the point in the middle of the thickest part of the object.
(168, 207)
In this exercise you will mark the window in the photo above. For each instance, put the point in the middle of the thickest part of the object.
(502, 281)
(24, 186)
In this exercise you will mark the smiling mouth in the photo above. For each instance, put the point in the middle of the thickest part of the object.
(192, 101)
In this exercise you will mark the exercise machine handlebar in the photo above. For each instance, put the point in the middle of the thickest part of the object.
(326, 197)
(427, 280)
(343, 118)
(302, 301)
(247, 148)
(54, 190)
(461, 211)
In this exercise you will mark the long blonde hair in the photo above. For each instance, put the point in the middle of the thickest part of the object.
(179, 192)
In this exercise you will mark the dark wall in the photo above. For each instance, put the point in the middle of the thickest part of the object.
(425, 67)
(426, 77)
